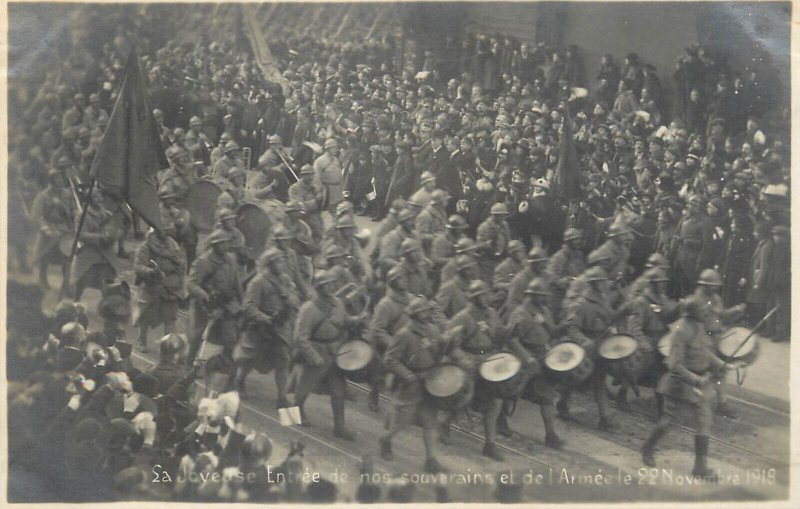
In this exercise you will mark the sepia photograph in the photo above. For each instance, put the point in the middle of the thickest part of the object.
(397, 252)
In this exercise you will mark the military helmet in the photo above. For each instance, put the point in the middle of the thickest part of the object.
(515, 246)
(232, 146)
(538, 286)
(324, 276)
(282, 233)
(418, 305)
(334, 251)
(537, 254)
(656, 260)
(657, 274)
(345, 222)
(464, 262)
(456, 222)
(709, 277)
(409, 245)
(236, 172)
(172, 343)
(615, 230)
(225, 213)
(395, 273)
(596, 274)
(406, 215)
(270, 255)
(294, 206)
(427, 177)
(572, 233)
(465, 245)
(499, 209)
(439, 196)
(306, 169)
(476, 288)
(195, 121)
(218, 236)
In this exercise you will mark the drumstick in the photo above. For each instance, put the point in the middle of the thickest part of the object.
(339, 354)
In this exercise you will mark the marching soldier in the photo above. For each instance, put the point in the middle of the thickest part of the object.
(479, 338)
(618, 244)
(566, 264)
(342, 234)
(418, 347)
(179, 218)
(692, 366)
(390, 248)
(233, 194)
(179, 176)
(443, 245)
(642, 282)
(531, 328)
(197, 143)
(537, 261)
(424, 194)
(465, 245)
(717, 318)
(388, 317)
(432, 220)
(304, 244)
(285, 240)
(53, 215)
(650, 313)
(270, 307)
(160, 269)
(588, 320)
(453, 294)
(321, 327)
(391, 220)
(597, 258)
(691, 246)
(232, 159)
(504, 273)
(215, 290)
(92, 263)
(270, 169)
(328, 175)
(493, 236)
(309, 195)
(217, 152)
(415, 266)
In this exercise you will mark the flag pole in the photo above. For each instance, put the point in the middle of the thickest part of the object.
(67, 274)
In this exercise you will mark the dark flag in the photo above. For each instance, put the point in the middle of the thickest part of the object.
(130, 155)
(567, 180)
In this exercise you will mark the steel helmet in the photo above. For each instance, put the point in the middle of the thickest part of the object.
(325, 276)
(596, 274)
(572, 233)
(499, 209)
(515, 246)
(282, 233)
(270, 255)
(656, 260)
(465, 262)
(225, 213)
(616, 229)
(172, 343)
(334, 251)
(395, 273)
(409, 245)
(456, 222)
(538, 286)
(427, 177)
(476, 288)
(418, 305)
(537, 254)
(657, 274)
(465, 245)
(709, 277)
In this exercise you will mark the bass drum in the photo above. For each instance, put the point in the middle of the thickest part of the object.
(201, 201)
(255, 225)
(568, 364)
(446, 386)
(353, 358)
(738, 345)
(617, 352)
(500, 374)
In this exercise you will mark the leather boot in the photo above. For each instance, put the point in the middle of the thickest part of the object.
(490, 451)
(502, 425)
(700, 458)
(444, 434)
(648, 448)
(386, 448)
(339, 429)
(432, 466)
(553, 441)
(374, 397)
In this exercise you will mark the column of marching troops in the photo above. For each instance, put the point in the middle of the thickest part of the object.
(427, 297)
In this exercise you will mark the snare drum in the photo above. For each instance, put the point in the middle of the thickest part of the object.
(731, 341)
(568, 364)
(353, 358)
(446, 385)
(617, 352)
(500, 374)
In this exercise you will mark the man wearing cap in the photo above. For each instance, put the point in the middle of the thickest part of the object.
(464, 245)
(432, 220)
(93, 263)
(452, 294)
(567, 263)
(342, 234)
(197, 143)
(94, 115)
(492, 237)
(390, 251)
(309, 195)
(271, 168)
(160, 270)
(180, 174)
(321, 326)
(270, 305)
(52, 214)
(480, 337)
(692, 366)
(216, 292)
(513, 264)
(218, 152)
(588, 320)
(531, 328)
(691, 246)
(535, 269)
(328, 175)
(232, 158)
(418, 347)
(175, 215)
(388, 317)
(415, 266)
(650, 313)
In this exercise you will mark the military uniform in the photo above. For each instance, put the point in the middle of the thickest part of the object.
(429, 223)
(517, 286)
(691, 249)
(328, 176)
(94, 259)
(310, 196)
(530, 330)
(390, 253)
(494, 238)
(304, 245)
(52, 214)
(443, 249)
(388, 317)
(215, 320)
(564, 266)
(618, 258)
(419, 282)
(452, 296)
(176, 181)
(351, 248)
(504, 273)
(160, 268)
(223, 166)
